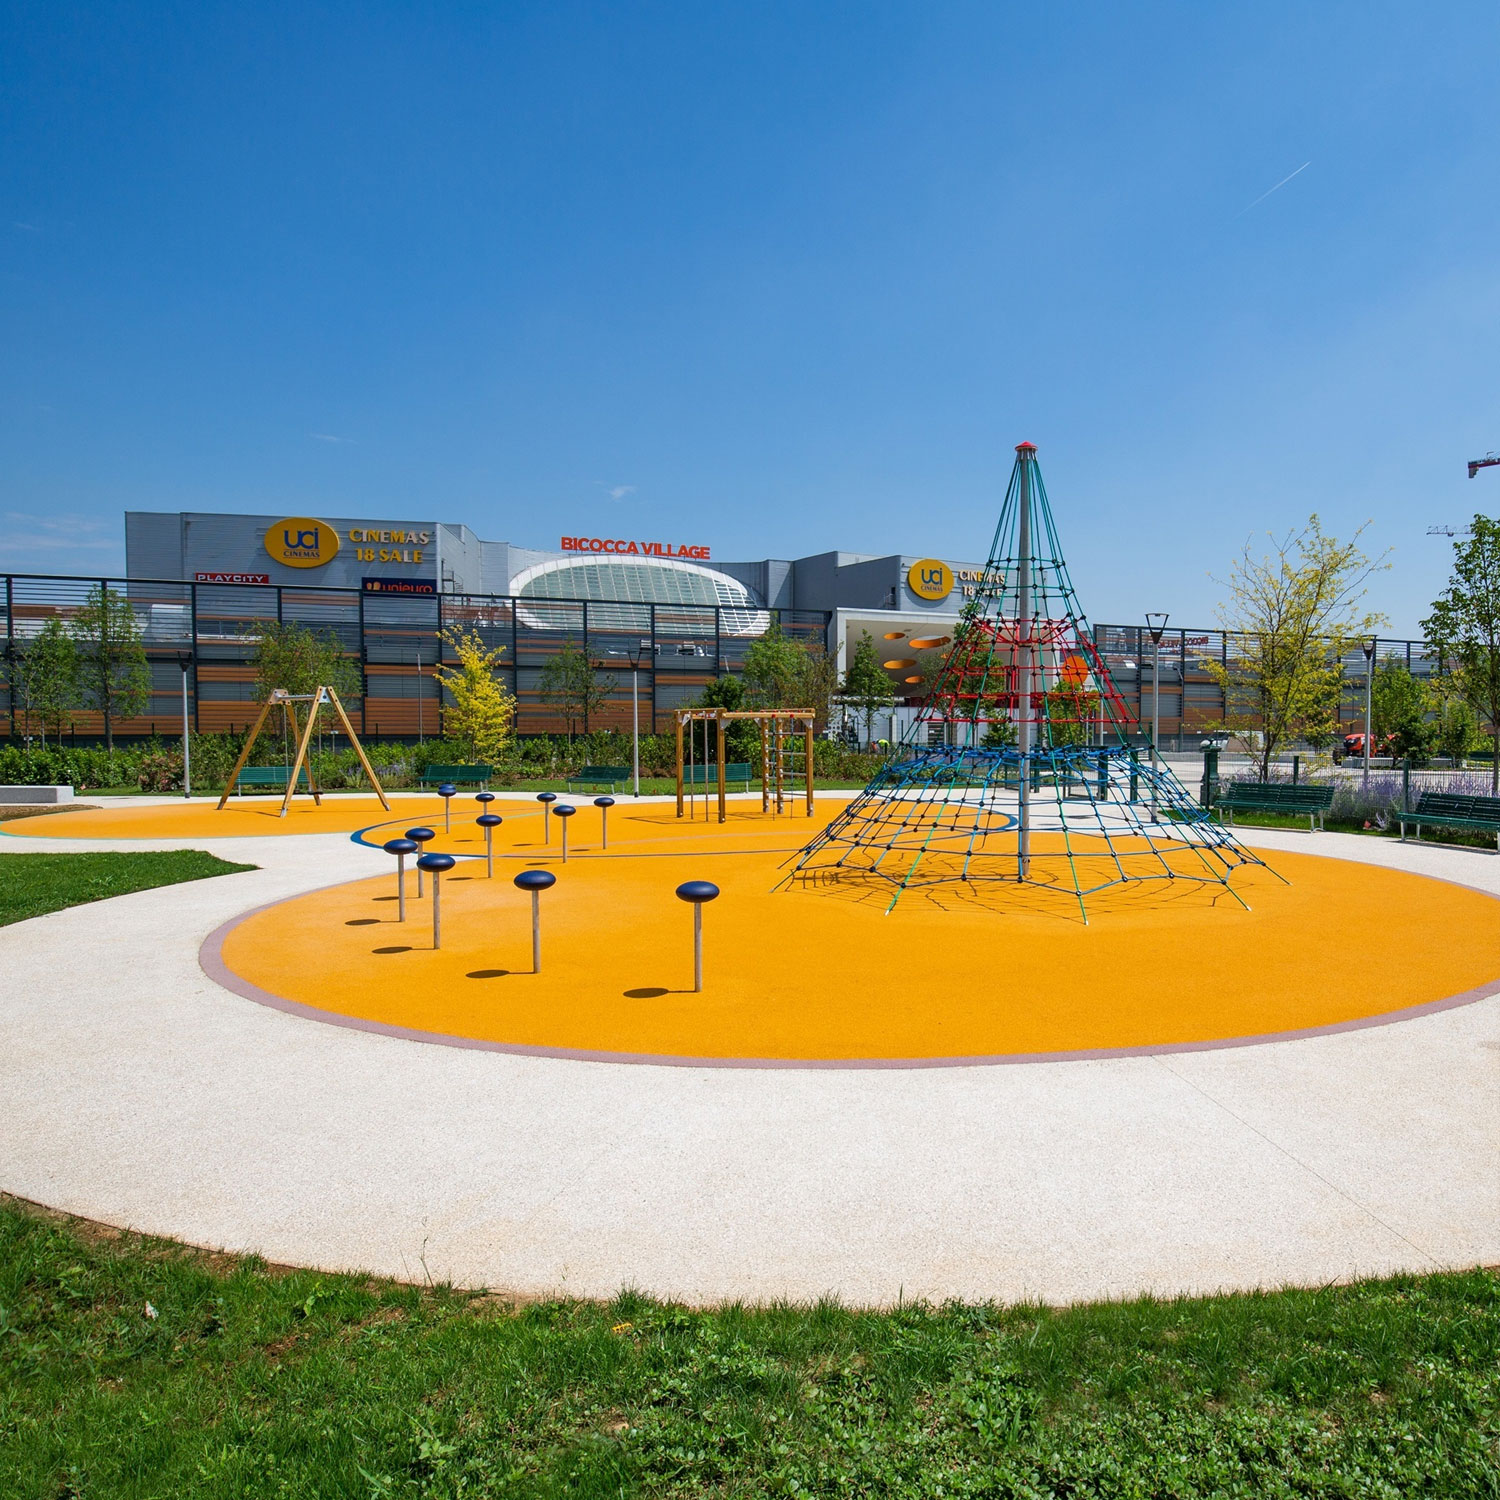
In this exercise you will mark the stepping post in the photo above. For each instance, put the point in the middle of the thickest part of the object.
(564, 812)
(535, 881)
(435, 865)
(447, 791)
(420, 836)
(401, 848)
(489, 822)
(546, 799)
(697, 892)
(604, 804)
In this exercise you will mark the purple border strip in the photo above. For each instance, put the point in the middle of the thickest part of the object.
(211, 961)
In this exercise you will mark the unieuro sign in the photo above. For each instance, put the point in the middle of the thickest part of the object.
(632, 549)
(928, 578)
(300, 542)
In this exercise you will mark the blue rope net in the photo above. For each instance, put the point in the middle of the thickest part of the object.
(1032, 784)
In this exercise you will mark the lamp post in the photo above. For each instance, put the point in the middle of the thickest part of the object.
(185, 661)
(1369, 649)
(1156, 627)
(636, 653)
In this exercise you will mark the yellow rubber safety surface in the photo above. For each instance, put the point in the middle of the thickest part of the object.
(820, 973)
(243, 817)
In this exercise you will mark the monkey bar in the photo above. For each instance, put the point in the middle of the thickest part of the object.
(779, 728)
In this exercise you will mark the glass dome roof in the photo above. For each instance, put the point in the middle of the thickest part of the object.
(643, 580)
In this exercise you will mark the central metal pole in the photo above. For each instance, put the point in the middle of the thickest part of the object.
(1023, 676)
(635, 727)
(400, 887)
(489, 853)
(1155, 714)
(437, 924)
(1369, 650)
(536, 932)
(697, 947)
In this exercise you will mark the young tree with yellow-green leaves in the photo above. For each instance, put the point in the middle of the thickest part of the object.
(1296, 611)
(482, 712)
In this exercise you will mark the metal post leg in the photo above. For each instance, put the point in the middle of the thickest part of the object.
(536, 933)
(437, 924)
(400, 887)
(697, 948)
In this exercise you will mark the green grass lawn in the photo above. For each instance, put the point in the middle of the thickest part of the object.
(31, 884)
(131, 1368)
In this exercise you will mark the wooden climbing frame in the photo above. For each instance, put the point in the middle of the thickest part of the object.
(778, 726)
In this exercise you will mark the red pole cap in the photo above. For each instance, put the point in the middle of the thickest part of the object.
(1025, 447)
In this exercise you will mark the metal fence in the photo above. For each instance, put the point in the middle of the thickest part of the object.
(397, 641)
(1190, 698)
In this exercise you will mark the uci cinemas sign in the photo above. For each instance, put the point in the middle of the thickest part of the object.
(302, 542)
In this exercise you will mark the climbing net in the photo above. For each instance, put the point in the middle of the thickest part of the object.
(1033, 779)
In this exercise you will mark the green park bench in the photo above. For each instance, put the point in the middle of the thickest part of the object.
(594, 776)
(269, 776)
(458, 775)
(1306, 800)
(1443, 810)
(736, 773)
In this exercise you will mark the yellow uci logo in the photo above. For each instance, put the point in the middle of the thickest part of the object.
(301, 542)
(930, 579)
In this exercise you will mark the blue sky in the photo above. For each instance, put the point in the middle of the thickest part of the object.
(778, 278)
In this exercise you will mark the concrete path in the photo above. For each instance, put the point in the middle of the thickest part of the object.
(137, 1092)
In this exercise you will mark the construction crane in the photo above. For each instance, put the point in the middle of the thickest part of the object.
(1450, 531)
(1487, 462)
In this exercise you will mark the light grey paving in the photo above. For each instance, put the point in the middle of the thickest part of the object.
(138, 1092)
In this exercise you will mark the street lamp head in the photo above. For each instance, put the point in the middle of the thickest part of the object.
(1368, 647)
(184, 660)
(1156, 625)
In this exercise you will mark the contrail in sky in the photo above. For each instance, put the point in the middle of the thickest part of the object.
(1246, 209)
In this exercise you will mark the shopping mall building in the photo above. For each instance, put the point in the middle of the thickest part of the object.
(659, 616)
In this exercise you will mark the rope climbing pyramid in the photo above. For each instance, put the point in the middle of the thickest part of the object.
(1019, 768)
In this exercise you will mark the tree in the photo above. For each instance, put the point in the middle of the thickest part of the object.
(1399, 704)
(1463, 629)
(113, 675)
(1456, 730)
(1071, 708)
(483, 711)
(867, 686)
(46, 677)
(742, 736)
(773, 671)
(298, 660)
(570, 683)
(1297, 613)
(783, 673)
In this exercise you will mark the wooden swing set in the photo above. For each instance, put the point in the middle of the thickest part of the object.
(287, 703)
(779, 728)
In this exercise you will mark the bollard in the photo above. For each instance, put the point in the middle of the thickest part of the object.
(401, 848)
(447, 792)
(563, 811)
(546, 799)
(489, 822)
(604, 804)
(697, 892)
(535, 881)
(435, 864)
(421, 835)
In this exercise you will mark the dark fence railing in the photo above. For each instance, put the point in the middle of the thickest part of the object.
(398, 642)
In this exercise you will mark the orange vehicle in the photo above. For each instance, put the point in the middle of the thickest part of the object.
(1354, 746)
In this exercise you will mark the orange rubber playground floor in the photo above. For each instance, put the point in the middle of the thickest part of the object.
(820, 973)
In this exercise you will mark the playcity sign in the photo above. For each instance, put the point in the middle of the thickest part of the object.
(632, 549)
